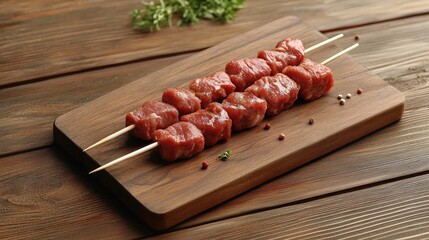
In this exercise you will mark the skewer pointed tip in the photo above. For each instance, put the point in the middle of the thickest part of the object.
(93, 171)
(86, 149)
(125, 157)
(111, 136)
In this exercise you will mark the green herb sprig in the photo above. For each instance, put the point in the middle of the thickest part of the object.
(157, 15)
(225, 155)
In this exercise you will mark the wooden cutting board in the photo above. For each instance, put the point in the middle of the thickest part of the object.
(164, 194)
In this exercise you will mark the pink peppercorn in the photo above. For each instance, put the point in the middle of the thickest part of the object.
(359, 91)
(204, 165)
(267, 126)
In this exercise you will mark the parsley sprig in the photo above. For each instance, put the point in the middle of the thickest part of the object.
(225, 155)
(157, 15)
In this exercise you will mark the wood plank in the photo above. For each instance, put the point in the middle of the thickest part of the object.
(44, 188)
(386, 54)
(396, 51)
(172, 197)
(28, 111)
(45, 196)
(411, 132)
(44, 38)
(398, 210)
(398, 150)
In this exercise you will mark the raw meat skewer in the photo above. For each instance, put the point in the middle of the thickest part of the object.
(159, 132)
(204, 98)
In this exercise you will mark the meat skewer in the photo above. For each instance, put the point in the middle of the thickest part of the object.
(314, 79)
(214, 123)
(164, 144)
(279, 91)
(218, 85)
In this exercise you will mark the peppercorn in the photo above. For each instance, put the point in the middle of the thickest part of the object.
(342, 102)
(356, 37)
(282, 136)
(348, 96)
(204, 165)
(311, 121)
(267, 126)
(359, 91)
(340, 97)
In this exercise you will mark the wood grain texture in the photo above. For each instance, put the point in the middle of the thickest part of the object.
(398, 210)
(182, 190)
(44, 38)
(27, 111)
(410, 135)
(395, 151)
(396, 54)
(394, 50)
(387, 155)
(43, 195)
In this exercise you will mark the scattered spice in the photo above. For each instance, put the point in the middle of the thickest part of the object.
(340, 97)
(348, 96)
(356, 37)
(359, 91)
(267, 126)
(225, 155)
(204, 165)
(311, 121)
(342, 102)
(282, 136)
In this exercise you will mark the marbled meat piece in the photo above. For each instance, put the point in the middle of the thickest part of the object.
(182, 99)
(151, 116)
(213, 122)
(245, 109)
(292, 46)
(212, 88)
(314, 79)
(279, 91)
(287, 52)
(244, 72)
(179, 141)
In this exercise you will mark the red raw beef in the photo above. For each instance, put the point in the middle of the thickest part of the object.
(288, 52)
(293, 47)
(213, 122)
(244, 72)
(245, 109)
(213, 88)
(314, 79)
(151, 116)
(279, 91)
(182, 99)
(178, 141)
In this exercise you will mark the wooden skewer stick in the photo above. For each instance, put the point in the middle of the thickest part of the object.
(340, 53)
(130, 127)
(111, 136)
(323, 43)
(155, 144)
(125, 157)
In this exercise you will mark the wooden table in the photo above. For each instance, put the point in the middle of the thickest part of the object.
(57, 55)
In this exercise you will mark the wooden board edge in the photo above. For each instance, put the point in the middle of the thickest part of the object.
(151, 218)
(165, 220)
(283, 165)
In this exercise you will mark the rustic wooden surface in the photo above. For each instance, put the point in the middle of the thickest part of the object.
(44, 195)
(172, 198)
